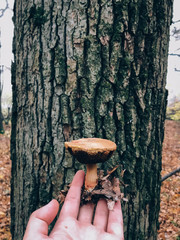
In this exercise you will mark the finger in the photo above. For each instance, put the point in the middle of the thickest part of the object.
(40, 219)
(115, 221)
(101, 215)
(86, 213)
(72, 200)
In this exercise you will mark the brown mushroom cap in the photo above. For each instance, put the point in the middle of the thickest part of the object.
(91, 150)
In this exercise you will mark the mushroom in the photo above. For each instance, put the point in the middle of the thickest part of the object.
(91, 151)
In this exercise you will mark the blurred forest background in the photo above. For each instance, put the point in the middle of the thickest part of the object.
(170, 195)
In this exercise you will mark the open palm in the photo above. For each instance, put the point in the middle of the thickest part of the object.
(76, 222)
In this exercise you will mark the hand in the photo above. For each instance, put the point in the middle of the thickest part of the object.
(76, 222)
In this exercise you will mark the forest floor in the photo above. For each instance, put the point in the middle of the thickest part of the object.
(5, 176)
(169, 217)
(170, 192)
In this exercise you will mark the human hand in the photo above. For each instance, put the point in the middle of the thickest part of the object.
(76, 222)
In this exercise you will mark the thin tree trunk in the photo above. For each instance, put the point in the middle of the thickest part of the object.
(89, 69)
(1, 114)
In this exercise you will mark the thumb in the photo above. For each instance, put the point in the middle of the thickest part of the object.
(40, 219)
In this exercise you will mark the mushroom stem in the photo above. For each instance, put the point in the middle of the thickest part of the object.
(91, 177)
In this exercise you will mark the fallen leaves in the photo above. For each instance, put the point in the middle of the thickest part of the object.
(5, 174)
(108, 187)
(169, 217)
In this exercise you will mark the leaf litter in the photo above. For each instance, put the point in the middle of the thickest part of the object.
(5, 175)
(169, 217)
(108, 187)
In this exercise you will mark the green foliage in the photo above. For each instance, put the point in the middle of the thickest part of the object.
(173, 111)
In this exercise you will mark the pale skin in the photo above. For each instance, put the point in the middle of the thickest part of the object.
(76, 222)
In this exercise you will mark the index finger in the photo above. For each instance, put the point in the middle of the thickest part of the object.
(115, 221)
(73, 198)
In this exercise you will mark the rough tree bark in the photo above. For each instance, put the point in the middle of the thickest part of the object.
(89, 69)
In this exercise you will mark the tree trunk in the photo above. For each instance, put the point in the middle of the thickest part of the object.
(89, 69)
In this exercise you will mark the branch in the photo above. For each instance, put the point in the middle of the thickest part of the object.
(173, 54)
(2, 11)
(174, 22)
(7, 68)
(176, 33)
(170, 174)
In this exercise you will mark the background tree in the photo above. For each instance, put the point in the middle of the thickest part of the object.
(175, 33)
(7, 106)
(1, 90)
(89, 69)
(3, 7)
